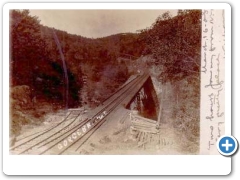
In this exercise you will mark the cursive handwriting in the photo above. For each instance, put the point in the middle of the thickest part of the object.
(205, 12)
(218, 104)
(219, 130)
(212, 48)
(211, 98)
(211, 129)
(212, 68)
(210, 144)
(205, 39)
(214, 81)
(204, 66)
(216, 85)
(211, 16)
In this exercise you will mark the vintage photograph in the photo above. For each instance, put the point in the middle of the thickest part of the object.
(105, 82)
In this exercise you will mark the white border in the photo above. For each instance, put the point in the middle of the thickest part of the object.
(113, 165)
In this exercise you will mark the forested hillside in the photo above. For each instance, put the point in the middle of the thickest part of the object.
(62, 69)
(65, 70)
(175, 45)
(39, 54)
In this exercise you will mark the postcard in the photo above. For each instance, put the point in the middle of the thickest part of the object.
(104, 84)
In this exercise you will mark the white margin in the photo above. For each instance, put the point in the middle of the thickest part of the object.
(112, 165)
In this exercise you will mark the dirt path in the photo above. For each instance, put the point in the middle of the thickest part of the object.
(114, 137)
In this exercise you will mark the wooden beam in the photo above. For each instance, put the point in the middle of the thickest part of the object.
(160, 110)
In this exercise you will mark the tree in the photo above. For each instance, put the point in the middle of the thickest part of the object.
(36, 63)
(175, 44)
(26, 46)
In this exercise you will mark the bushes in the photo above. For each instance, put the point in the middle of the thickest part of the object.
(19, 101)
(33, 64)
(187, 112)
(175, 44)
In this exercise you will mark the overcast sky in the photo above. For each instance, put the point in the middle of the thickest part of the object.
(98, 23)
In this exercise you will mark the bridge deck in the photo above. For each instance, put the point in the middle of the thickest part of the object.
(135, 84)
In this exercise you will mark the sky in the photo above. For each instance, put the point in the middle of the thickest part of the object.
(98, 23)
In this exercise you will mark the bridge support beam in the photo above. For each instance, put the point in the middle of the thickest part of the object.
(145, 101)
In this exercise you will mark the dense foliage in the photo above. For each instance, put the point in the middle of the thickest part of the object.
(32, 64)
(175, 44)
(74, 70)
(95, 58)
(54, 63)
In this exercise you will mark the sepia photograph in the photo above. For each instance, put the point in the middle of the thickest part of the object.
(105, 82)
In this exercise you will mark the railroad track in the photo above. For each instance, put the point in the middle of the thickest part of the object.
(35, 140)
(77, 144)
(86, 129)
(68, 133)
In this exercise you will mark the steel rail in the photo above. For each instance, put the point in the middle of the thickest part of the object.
(97, 125)
(83, 123)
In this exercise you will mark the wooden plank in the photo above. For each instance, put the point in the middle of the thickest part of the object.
(139, 136)
(143, 124)
(141, 144)
(161, 107)
(150, 130)
(135, 117)
(142, 127)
